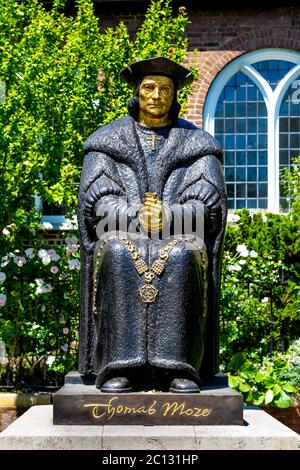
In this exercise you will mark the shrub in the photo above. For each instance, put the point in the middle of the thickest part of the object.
(39, 311)
(260, 307)
(260, 304)
(261, 383)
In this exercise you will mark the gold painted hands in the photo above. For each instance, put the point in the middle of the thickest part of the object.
(152, 213)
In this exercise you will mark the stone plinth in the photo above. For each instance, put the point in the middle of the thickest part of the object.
(81, 403)
(35, 431)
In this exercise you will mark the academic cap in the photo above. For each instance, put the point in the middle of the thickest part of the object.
(134, 73)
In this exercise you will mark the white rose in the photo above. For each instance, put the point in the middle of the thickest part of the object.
(47, 288)
(46, 226)
(233, 218)
(234, 267)
(4, 261)
(51, 252)
(20, 261)
(242, 249)
(42, 253)
(74, 264)
(2, 277)
(29, 252)
(6, 232)
(71, 249)
(46, 260)
(3, 354)
(2, 300)
(50, 360)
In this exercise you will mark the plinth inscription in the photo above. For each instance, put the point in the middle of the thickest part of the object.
(212, 406)
(115, 406)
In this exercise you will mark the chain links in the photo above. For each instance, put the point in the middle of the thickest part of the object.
(147, 291)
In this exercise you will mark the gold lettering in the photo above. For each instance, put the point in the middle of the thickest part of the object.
(152, 409)
(110, 410)
(172, 406)
(128, 410)
(206, 412)
(198, 412)
(141, 410)
(100, 410)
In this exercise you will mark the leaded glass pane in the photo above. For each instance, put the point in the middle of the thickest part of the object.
(273, 70)
(289, 132)
(241, 118)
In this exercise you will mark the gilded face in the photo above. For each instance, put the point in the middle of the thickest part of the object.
(155, 96)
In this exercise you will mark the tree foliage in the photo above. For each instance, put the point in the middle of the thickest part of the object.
(61, 75)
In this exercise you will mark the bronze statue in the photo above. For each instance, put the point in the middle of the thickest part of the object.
(150, 286)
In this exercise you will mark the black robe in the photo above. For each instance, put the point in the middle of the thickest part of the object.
(179, 331)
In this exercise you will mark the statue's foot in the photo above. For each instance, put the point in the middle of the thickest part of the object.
(116, 385)
(184, 386)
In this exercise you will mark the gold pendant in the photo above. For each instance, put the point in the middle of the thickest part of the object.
(148, 293)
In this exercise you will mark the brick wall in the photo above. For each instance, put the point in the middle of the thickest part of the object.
(218, 36)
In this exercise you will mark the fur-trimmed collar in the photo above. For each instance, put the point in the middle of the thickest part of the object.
(185, 142)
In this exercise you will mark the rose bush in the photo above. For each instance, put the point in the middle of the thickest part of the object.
(39, 302)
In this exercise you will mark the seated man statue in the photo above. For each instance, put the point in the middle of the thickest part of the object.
(152, 212)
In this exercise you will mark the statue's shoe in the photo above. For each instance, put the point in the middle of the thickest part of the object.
(184, 386)
(116, 385)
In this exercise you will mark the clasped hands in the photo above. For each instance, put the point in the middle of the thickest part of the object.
(152, 214)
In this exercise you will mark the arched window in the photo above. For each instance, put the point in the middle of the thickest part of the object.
(253, 109)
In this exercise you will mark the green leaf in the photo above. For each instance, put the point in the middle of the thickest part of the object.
(245, 375)
(233, 381)
(259, 399)
(284, 401)
(269, 396)
(289, 388)
(276, 390)
(237, 361)
(244, 387)
(259, 377)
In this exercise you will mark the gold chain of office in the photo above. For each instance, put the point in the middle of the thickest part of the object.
(148, 292)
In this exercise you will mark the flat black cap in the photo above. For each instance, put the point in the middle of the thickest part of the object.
(134, 73)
